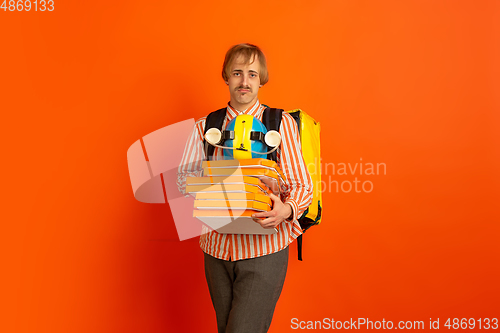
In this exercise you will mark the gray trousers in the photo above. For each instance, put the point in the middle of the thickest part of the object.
(244, 292)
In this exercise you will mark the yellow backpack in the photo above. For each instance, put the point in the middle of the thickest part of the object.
(309, 130)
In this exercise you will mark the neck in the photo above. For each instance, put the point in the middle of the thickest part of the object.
(242, 107)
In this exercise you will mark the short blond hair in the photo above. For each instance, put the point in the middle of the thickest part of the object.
(248, 52)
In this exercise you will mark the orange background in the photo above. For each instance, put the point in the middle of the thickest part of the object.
(412, 84)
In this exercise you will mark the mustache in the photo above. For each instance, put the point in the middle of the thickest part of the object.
(242, 87)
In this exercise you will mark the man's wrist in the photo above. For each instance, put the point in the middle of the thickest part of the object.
(290, 217)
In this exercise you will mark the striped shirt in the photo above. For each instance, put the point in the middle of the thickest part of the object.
(297, 192)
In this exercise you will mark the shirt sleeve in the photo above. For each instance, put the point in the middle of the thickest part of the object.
(193, 157)
(299, 188)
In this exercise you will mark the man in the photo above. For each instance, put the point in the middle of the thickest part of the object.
(245, 273)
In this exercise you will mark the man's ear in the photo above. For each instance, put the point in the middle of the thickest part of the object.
(227, 83)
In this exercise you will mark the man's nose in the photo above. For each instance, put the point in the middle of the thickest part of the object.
(244, 80)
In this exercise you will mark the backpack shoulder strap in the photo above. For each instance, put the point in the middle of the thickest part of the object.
(271, 118)
(214, 119)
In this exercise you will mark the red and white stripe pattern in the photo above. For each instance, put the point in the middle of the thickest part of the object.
(298, 191)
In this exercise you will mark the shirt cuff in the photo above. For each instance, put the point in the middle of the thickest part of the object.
(294, 206)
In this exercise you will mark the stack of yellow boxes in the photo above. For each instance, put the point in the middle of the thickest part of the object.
(230, 191)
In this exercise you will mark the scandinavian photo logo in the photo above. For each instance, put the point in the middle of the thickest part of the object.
(333, 175)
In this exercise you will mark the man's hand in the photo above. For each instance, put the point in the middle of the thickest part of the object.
(280, 212)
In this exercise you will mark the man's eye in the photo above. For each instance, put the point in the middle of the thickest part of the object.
(236, 74)
(253, 75)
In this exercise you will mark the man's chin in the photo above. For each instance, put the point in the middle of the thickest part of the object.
(244, 100)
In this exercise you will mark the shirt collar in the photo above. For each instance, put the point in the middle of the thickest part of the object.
(253, 110)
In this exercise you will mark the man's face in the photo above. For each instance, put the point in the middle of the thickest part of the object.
(244, 83)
